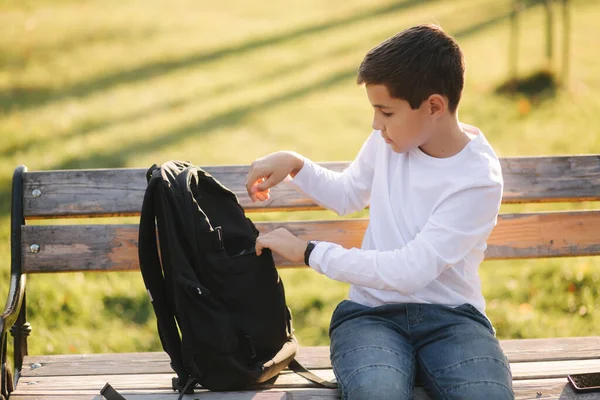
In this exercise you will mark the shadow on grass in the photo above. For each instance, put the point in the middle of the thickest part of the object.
(205, 126)
(153, 142)
(537, 87)
(470, 30)
(33, 96)
(89, 126)
(285, 70)
(38, 52)
(229, 118)
(98, 37)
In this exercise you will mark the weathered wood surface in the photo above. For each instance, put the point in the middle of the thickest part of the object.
(315, 358)
(139, 379)
(120, 191)
(520, 370)
(114, 247)
(551, 349)
(147, 376)
(155, 387)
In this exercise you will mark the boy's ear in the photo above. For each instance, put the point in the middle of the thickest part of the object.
(437, 105)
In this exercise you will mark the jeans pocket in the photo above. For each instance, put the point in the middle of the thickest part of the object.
(335, 315)
(337, 307)
(480, 316)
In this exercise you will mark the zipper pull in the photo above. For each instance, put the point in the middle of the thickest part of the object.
(220, 236)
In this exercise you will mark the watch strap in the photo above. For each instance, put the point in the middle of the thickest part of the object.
(309, 248)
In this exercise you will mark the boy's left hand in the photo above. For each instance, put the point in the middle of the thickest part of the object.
(284, 243)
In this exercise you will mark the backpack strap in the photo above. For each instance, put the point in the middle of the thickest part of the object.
(154, 281)
(306, 374)
(202, 236)
(110, 393)
(187, 388)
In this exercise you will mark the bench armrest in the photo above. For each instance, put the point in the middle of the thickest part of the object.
(14, 311)
(9, 316)
(13, 302)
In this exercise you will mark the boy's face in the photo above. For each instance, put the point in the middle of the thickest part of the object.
(402, 127)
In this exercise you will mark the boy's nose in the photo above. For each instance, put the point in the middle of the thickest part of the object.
(377, 126)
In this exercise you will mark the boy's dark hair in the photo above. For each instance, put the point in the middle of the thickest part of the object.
(416, 63)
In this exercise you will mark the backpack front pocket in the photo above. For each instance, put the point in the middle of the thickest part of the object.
(207, 318)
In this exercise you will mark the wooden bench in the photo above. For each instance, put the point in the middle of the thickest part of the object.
(539, 365)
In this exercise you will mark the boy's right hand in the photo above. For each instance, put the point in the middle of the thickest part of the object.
(269, 170)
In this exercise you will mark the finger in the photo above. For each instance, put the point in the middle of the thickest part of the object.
(251, 178)
(260, 244)
(262, 196)
(270, 181)
(255, 186)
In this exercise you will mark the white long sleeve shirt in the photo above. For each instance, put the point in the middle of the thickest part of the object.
(429, 221)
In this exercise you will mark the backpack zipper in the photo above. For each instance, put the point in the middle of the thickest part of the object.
(245, 252)
(199, 289)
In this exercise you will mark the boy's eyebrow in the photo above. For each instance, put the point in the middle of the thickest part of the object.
(381, 106)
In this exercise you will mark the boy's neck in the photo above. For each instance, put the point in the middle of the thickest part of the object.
(447, 140)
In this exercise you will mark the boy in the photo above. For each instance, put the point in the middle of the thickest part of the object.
(434, 186)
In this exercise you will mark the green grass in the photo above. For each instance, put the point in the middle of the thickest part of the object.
(131, 83)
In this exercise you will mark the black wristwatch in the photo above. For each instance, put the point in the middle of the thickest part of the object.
(309, 248)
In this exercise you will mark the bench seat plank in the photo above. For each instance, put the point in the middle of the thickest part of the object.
(552, 349)
(522, 370)
(108, 192)
(530, 358)
(145, 388)
(114, 247)
(314, 357)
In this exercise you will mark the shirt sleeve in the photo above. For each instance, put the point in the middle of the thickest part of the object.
(459, 223)
(342, 192)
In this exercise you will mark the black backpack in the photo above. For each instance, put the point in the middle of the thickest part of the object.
(206, 282)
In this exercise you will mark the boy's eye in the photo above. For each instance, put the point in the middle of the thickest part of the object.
(386, 114)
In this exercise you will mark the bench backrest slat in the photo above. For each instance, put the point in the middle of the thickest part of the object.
(114, 247)
(119, 192)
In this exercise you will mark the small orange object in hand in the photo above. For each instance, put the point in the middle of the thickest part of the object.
(260, 195)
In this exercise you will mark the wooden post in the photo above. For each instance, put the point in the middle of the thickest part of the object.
(566, 42)
(549, 35)
(513, 49)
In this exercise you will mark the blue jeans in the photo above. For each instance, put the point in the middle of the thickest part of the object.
(379, 352)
